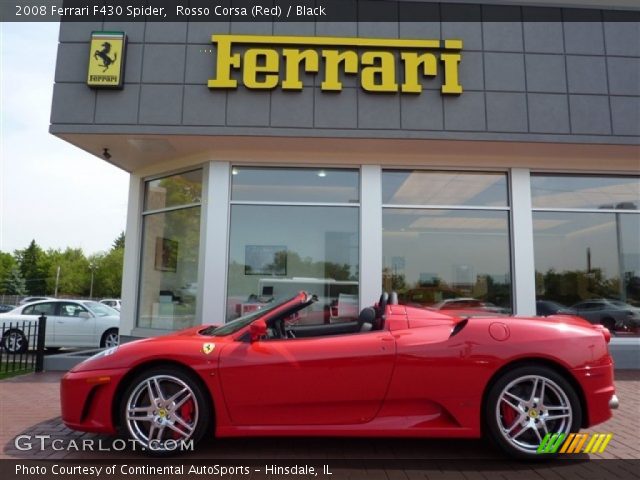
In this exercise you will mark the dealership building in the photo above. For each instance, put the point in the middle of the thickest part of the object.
(486, 152)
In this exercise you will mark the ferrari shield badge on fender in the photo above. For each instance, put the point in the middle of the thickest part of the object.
(207, 348)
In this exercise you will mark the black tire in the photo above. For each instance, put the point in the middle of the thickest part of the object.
(15, 341)
(171, 380)
(106, 339)
(609, 324)
(517, 436)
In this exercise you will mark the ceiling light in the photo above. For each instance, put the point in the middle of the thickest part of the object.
(322, 173)
(234, 171)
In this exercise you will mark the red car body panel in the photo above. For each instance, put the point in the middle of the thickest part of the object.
(424, 374)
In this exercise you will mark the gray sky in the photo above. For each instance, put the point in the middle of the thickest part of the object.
(50, 191)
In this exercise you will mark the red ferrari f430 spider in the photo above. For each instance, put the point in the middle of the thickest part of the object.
(397, 371)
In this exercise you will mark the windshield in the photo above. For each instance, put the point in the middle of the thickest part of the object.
(239, 323)
(100, 310)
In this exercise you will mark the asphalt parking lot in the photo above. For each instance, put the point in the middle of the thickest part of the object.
(30, 406)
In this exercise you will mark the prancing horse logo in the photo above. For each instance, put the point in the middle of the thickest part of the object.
(104, 55)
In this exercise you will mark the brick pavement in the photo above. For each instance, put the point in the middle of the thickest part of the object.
(29, 405)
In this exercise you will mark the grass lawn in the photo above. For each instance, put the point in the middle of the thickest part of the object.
(8, 370)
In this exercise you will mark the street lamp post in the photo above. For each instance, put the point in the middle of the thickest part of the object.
(92, 267)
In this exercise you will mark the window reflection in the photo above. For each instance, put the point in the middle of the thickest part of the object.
(431, 257)
(168, 281)
(318, 185)
(405, 187)
(590, 264)
(275, 251)
(182, 189)
(585, 191)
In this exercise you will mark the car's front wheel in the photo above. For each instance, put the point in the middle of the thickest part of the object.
(527, 403)
(14, 341)
(110, 338)
(164, 410)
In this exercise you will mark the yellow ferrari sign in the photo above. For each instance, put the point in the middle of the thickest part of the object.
(207, 348)
(106, 59)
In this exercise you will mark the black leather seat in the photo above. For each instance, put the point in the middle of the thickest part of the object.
(366, 319)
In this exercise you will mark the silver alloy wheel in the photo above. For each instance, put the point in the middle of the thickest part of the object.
(539, 406)
(111, 340)
(14, 342)
(155, 411)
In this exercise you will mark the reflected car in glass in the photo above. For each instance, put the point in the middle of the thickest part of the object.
(615, 315)
(544, 308)
(468, 304)
(70, 323)
(396, 371)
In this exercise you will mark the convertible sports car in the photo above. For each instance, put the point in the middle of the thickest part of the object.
(395, 372)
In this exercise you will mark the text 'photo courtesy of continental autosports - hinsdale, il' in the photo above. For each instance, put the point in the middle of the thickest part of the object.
(396, 371)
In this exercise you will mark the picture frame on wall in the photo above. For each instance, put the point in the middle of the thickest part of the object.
(265, 260)
(166, 254)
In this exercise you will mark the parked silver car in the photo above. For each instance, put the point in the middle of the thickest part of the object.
(613, 314)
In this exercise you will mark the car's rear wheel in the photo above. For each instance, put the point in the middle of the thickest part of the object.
(164, 410)
(110, 338)
(527, 403)
(15, 341)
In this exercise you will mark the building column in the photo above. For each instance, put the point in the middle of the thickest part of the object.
(370, 234)
(132, 242)
(214, 244)
(522, 253)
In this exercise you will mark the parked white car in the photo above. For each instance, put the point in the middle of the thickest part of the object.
(26, 300)
(111, 302)
(70, 323)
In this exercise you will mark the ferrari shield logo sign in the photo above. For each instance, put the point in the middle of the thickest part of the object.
(106, 59)
(207, 348)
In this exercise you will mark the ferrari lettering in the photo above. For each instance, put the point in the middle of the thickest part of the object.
(383, 65)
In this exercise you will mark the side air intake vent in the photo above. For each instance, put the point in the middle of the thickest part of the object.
(459, 326)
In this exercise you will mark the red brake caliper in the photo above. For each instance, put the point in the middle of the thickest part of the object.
(508, 414)
(186, 413)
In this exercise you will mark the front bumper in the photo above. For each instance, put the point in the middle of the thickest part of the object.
(87, 398)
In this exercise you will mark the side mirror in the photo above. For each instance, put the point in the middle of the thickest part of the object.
(257, 330)
(84, 315)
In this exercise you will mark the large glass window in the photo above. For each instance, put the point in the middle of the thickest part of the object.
(170, 245)
(447, 258)
(292, 230)
(587, 248)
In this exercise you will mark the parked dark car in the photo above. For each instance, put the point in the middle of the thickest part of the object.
(544, 308)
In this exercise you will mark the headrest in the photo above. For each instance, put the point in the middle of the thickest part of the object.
(367, 315)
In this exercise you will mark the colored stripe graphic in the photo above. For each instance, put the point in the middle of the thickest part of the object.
(578, 441)
(551, 442)
(574, 443)
(598, 443)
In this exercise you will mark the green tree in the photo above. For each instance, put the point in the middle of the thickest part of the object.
(108, 273)
(33, 265)
(7, 263)
(118, 242)
(75, 276)
(14, 283)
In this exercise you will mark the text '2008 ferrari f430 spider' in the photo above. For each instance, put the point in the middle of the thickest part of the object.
(396, 371)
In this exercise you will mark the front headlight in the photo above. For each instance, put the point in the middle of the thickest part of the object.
(104, 353)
